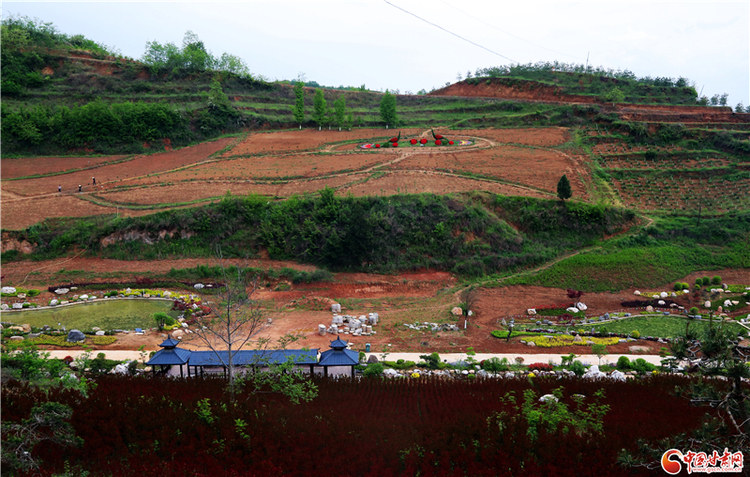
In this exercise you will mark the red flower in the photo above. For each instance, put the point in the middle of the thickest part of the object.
(393, 139)
(437, 142)
(450, 142)
(395, 144)
(423, 141)
(413, 141)
(377, 145)
(438, 136)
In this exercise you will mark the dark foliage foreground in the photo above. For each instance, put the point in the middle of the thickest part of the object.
(373, 427)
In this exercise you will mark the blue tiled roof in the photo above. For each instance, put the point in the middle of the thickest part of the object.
(339, 357)
(169, 356)
(169, 343)
(254, 357)
(338, 343)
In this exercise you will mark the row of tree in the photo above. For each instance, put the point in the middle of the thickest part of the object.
(338, 116)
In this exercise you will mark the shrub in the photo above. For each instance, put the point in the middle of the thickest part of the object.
(540, 367)
(432, 360)
(470, 351)
(635, 334)
(705, 281)
(699, 281)
(623, 363)
(642, 366)
(578, 368)
(374, 369)
(694, 310)
(716, 280)
(495, 365)
(677, 286)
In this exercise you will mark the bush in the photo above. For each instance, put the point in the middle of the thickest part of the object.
(694, 310)
(677, 286)
(642, 366)
(432, 360)
(716, 280)
(699, 281)
(705, 281)
(374, 369)
(623, 363)
(578, 368)
(635, 334)
(495, 365)
(540, 367)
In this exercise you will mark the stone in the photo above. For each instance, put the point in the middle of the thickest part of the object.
(457, 311)
(336, 308)
(531, 344)
(8, 290)
(577, 339)
(649, 309)
(177, 334)
(84, 297)
(337, 320)
(727, 302)
(617, 376)
(594, 373)
(581, 306)
(167, 294)
(572, 309)
(199, 286)
(720, 309)
(4, 307)
(531, 311)
(64, 302)
(121, 368)
(372, 359)
(62, 291)
(389, 372)
(637, 292)
(548, 398)
(74, 336)
(673, 295)
(95, 328)
(322, 330)
(17, 338)
(661, 303)
(663, 294)
(17, 306)
(707, 304)
(100, 333)
(606, 316)
(21, 295)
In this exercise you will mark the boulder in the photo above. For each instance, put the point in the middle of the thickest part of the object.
(95, 328)
(578, 339)
(4, 307)
(617, 376)
(84, 297)
(100, 333)
(572, 309)
(663, 294)
(594, 373)
(390, 372)
(649, 309)
(457, 311)
(322, 330)
(581, 306)
(199, 286)
(531, 344)
(167, 294)
(548, 398)
(531, 311)
(62, 291)
(707, 304)
(17, 338)
(75, 336)
(17, 306)
(661, 303)
(26, 328)
(336, 308)
(121, 368)
(727, 302)
(372, 359)
(637, 292)
(8, 290)
(177, 334)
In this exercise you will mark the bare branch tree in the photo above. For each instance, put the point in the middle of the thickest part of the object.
(469, 298)
(235, 317)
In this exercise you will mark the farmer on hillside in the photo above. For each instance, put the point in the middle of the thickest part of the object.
(79, 187)
(93, 179)
(59, 189)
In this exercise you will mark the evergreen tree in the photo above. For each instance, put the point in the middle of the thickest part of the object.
(320, 108)
(388, 109)
(564, 190)
(299, 103)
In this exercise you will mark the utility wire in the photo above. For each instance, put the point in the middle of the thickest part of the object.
(507, 33)
(448, 31)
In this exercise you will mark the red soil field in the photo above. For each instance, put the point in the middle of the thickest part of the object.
(138, 166)
(306, 139)
(528, 136)
(27, 166)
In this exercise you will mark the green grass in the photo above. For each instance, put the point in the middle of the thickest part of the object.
(107, 315)
(658, 326)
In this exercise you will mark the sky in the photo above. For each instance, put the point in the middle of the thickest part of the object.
(389, 44)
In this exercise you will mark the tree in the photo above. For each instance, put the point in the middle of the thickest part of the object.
(320, 108)
(234, 318)
(339, 107)
(469, 299)
(600, 351)
(299, 103)
(216, 97)
(615, 96)
(740, 108)
(564, 190)
(388, 109)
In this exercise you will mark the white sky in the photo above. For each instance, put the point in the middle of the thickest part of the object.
(373, 43)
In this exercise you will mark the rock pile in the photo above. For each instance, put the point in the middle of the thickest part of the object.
(347, 324)
(417, 326)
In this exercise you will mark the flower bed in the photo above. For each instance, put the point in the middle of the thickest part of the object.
(551, 341)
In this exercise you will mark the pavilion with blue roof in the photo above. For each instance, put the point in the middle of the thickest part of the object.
(203, 362)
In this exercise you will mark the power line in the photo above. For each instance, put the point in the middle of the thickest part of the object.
(507, 33)
(448, 31)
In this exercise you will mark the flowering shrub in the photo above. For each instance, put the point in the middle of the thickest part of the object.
(540, 367)
(567, 340)
(437, 142)
(423, 141)
(413, 141)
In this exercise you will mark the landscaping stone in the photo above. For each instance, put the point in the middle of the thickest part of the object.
(531, 344)
(4, 307)
(17, 306)
(372, 359)
(581, 306)
(100, 333)
(17, 338)
(457, 311)
(199, 286)
(577, 339)
(649, 309)
(322, 330)
(8, 290)
(707, 304)
(62, 291)
(548, 398)
(617, 376)
(336, 308)
(531, 311)
(637, 292)
(84, 297)
(663, 294)
(75, 336)
(177, 334)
